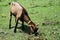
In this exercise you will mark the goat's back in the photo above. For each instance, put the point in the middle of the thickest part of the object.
(15, 8)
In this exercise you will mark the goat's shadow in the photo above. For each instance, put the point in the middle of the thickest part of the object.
(26, 29)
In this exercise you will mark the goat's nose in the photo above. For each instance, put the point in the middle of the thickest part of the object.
(35, 30)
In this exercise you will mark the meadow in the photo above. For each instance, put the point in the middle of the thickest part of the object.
(45, 13)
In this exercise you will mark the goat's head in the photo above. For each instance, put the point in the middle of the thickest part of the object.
(33, 26)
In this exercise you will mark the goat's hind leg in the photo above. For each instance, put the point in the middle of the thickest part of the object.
(10, 20)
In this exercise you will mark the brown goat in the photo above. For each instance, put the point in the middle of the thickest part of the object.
(20, 13)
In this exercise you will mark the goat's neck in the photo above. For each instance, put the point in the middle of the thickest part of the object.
(29, 22)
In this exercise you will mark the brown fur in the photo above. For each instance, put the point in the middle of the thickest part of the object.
(20, 13)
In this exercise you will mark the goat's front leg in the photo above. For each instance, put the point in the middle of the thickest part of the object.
(10, 20)
(23, 21)
(22, 25)
(16, 24)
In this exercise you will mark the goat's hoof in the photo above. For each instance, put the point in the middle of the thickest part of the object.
(9, 27)
(36, 34)
(29, 33)
(14, 31)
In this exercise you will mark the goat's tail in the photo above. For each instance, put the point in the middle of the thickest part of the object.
(9, 3)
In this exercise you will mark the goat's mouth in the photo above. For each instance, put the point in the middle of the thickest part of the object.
(35, 30)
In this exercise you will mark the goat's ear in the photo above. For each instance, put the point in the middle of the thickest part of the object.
(36, 24)
(9, 3)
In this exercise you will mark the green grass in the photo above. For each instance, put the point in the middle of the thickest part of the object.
(39, 11)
